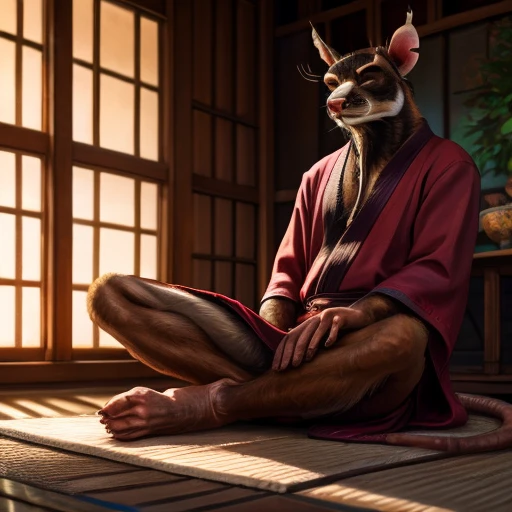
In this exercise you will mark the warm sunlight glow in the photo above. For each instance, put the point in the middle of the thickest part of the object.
(223, 227)
(148, 256)
(107, 341)
(148, 124)
(7, 178)
(245, 156)
(244, 225)
(82, 254)
(31, 249)
(33, 20)
(117, 199)
(8, 245)
(31, 183)
(148, 205)
(83, 193)
(32, 88)
(7, 316)
(202, 224)
(116, 251)
(82, 325)
(31, 317)
(82, 104)
(117, 39)
(116, 114)
(7, 81)
(83, 30)
(8, 17)
(148, 51)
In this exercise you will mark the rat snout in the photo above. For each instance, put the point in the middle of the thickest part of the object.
(335, 105)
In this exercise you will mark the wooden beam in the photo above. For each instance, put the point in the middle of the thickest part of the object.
(73, 371)
(59, 183)
(226, 189)
(265, 244)
(465, 18)
(107, 159)
(23, 139)
(182, 201)
(321, 17)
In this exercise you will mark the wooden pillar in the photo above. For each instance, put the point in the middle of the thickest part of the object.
(492, 330)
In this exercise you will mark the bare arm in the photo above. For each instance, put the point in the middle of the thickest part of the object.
(280, 312)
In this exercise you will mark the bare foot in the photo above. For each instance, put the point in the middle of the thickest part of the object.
(143, 412)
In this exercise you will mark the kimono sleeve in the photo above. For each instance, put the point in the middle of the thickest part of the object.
(290, 265)
(434, 283)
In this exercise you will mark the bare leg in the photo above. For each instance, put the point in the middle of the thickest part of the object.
(153, 322)
(391, 350)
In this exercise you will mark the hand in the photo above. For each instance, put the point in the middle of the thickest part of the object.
(302, 342)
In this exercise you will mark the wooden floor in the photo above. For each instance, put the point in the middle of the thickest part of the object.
(32, 480)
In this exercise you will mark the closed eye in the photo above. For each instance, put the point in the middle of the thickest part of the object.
(332, 84)
(370, 69)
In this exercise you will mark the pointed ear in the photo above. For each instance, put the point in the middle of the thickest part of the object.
(403, 45)
(326, 53)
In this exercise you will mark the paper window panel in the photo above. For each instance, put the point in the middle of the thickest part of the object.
(148, 205)
(82, 104)
(245, 285)
(8, 245)
(149, 51)
(8, 19)
(149, 124)
(224, 150)
(117, 48)
(31, 183)
(224, 278)
(202, 274)
(7, 81)
(202, 224)
(31, 248)
(32, 88)
(223, 227)
(245, 156)
(83, 193)
(117, 251)
(108, 341)
(33, 20)
(31, 317)
(117, 199)
(83, 254)
(117, 111)
(245, 230)
(7, 179)
(202, 143)
(83, 29)
(148, 256)
(82, 327)
(7, 316)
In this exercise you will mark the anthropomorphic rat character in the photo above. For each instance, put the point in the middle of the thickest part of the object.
(365, 301)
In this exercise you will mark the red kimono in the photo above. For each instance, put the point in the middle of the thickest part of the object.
(412, 240)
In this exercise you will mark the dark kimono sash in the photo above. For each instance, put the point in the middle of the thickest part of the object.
(338, 262)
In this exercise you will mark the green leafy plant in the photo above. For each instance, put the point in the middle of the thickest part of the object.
(489, 121)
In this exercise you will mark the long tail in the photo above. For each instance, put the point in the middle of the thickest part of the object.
(499, 439)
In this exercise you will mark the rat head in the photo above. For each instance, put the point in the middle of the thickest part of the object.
(368, 84)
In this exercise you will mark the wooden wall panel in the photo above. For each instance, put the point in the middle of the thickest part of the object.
(245, 290)
(202, 143)
(202, 224)
(246, 60)
(202, 51)
(224, 149)
(224, 278)
(245, 229)
(202, 274)
(224, 55)
(246, 156)
(223, 239)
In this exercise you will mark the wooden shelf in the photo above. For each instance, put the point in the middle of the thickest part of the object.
(492, 254)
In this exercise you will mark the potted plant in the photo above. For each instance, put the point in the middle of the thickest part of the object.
(489, 130)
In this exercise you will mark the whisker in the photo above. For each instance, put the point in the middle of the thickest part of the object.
(310, 73)
(305, 77)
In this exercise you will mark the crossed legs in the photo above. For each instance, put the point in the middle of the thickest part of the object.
(378, 366)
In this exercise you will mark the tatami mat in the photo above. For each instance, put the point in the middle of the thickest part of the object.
(272, 458)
